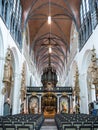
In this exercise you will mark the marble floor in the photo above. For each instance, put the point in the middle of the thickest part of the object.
(49, 124)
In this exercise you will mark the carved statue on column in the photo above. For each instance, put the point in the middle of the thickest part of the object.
(77, 91)
(93, 71)
(23, 84)
(7, 72)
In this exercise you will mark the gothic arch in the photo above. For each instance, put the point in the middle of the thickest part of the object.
(14, 67)
(85, 67)
(83, 80)
(1, 67)
(15, 59)
(85, 61)
(1, 55)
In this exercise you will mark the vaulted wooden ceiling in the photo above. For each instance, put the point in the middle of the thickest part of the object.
(35, 14)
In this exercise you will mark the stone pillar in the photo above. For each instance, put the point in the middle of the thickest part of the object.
(16, 94)
(84, 94)
(93, 93)
(2, 60)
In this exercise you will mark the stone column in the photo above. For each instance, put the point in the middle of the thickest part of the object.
(93, 93)
(16, 94)
(2, 60)
(84, 94)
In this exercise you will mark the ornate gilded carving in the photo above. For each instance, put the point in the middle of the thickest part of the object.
(77, 87)
(34, 94)
(4, 90)
(64, 94)
(7, 80)
(7, 72)
(23, 84)
(93, 69)
(77, 91)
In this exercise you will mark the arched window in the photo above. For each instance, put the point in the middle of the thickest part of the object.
(87, 5)
(5, 12)
(11, 23)
(16, 33)
(2, 7)
(84, 9)
(81, 14)
(14, 5)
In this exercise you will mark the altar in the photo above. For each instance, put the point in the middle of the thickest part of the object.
(49, 99)
(49, 102)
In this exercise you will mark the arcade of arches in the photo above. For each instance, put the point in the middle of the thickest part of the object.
(46, 67)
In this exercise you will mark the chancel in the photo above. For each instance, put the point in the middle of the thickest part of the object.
(48, 64)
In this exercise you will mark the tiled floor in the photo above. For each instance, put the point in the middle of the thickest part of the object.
(49, 124)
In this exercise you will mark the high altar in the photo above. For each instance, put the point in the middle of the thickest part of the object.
(49, 99)
(49, 102)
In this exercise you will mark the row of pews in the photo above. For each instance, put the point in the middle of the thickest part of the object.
(66, 121)
(21, 122)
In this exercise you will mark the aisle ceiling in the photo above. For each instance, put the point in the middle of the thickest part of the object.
(63, 12)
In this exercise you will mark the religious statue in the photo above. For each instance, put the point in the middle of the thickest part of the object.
(7, 71)
(7, 77)
(64, 107)
(77, 108)
(34, 107)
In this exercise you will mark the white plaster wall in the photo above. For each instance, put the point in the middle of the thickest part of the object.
(7, 41)
(82, 59)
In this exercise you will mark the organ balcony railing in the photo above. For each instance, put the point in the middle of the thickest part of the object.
(55, 89)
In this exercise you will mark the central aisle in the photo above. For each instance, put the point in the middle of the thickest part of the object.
(49, 124)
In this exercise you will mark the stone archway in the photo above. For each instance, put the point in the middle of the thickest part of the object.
(1, 69)
(84, 82)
